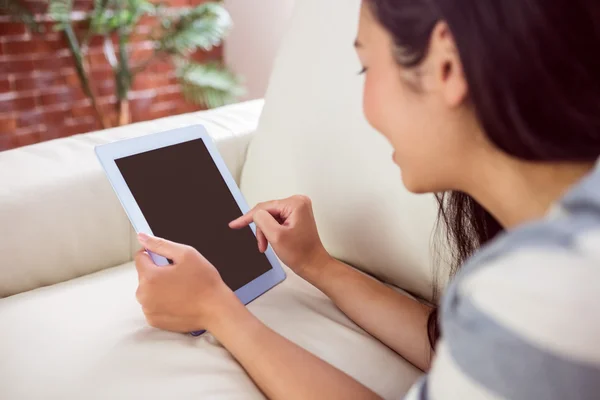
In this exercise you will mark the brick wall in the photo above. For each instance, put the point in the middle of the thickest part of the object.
(40, 95)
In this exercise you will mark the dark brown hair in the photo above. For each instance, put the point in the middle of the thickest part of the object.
(533, 72)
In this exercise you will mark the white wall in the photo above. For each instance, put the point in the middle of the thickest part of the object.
(251, 47)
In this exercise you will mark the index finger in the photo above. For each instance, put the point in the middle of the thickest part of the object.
(272, 207)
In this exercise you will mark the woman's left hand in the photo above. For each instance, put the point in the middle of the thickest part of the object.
(185, 296)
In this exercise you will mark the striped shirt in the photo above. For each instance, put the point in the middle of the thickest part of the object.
(522, 318)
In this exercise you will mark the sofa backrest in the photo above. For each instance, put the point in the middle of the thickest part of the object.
(313, 139)
(59, 217)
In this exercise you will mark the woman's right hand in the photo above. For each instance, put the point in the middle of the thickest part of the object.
(289, 226)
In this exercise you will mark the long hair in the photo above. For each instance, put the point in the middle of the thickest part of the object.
(533, 71)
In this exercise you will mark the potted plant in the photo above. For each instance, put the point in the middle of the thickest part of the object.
(177, 34)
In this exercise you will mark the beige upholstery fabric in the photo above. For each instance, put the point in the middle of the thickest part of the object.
(60, 219)
(87, 339)
(313, 140)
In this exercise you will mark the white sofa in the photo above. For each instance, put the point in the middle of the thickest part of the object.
(70, 327)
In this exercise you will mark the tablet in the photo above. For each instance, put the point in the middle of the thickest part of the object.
(175, 185)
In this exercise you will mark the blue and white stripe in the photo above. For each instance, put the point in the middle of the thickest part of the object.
(522, 319)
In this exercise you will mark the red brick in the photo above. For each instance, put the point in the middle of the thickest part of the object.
(148, 21)
(21, 75)
(169, 97)
(107, 101)
(54, 118)
(6, 143)
(54, 107)
(80, 27)
(186, 107)
(8, 123)
(111, 116)
(139, 108)
(179, 3)
(96, 56)
(36, 82)
(14, 67)
(150, 81)
(55, 64)
(82, 109)
(105, 88)
(173, 80)
(33, 46)
(12, 28)
(70, 78)
(29, 138)
(48, 26)
(215, 54)
(64, 95)
(141, 54)
(52, 132)
(160, 67)
(139, 36)
(83, 5)
(84, 119)
(101, 75)
(163, 105)
(97, 42)
(29, 118)
(5, 86)
(37, 7)
(17, 104)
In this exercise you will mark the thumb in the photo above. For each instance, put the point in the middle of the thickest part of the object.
(162, 247)
(268, 225)
(143, 264)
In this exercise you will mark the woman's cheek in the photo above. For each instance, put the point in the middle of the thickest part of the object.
(371, 104)
(381, 108)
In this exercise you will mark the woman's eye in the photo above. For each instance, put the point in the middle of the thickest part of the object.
(362, 71)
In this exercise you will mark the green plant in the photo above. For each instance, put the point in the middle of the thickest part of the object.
(21, 13)
(177, 35)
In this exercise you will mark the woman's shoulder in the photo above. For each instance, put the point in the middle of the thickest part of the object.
(571, 230)
(522, 319)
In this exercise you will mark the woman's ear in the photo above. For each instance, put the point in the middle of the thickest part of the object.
(446, 66)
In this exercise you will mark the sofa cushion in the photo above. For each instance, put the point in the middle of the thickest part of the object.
(59, 217)
(313, 139)
(87, 339)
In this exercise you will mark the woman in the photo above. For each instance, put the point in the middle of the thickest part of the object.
(496, 104)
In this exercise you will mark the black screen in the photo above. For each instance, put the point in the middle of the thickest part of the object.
(184, 198)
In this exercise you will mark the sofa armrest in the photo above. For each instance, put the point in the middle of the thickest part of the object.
(59, 218)
(231, 128)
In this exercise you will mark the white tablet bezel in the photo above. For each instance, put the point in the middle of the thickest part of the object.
(108, 153)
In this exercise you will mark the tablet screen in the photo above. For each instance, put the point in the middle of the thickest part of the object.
(184, 198)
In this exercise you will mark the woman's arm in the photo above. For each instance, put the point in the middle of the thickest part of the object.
(189, 295)
(279, 367)
(395, 319)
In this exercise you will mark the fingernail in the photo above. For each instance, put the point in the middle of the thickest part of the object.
(142, 237)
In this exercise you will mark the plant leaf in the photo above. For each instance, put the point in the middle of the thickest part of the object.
(60, 11)
(210, 85)
(202, 27)
(111, 15)
(19, 12)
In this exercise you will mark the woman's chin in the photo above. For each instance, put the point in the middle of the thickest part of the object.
(415, 184)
